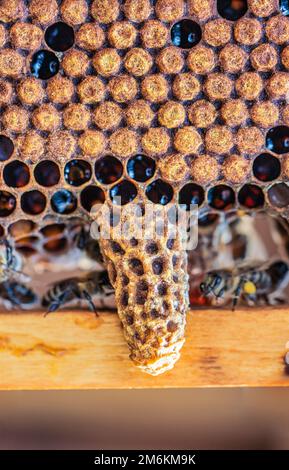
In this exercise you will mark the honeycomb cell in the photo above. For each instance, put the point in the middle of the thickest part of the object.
(46, 118)
(90, 36)
(160, 192)
(264, 58)
(7, 203)
(139, 114)
(278, 85)
(250, 140)
(91, 142)
(265, 114)
(75, 63)
(30, 91)
(56, 246)
(186, 86)
(31, 145)
(191, 194)
(169, 10)
(233, 58)
(26, 36)
(218, 86)
(137, 10)
(205, 169)
(141, 168)
(202, 9)
(171, 115)
(236, 168)
(201, 60)
(52, 230)
(2, 35)
(15, 119)
(277, 29)
(107, 115)
(11, 63)
(6, 92)
(61, 145)
(123, 142)
(221, 197)
(91, 90)
(219, 139)
(154, 34)
(251, 196)
(249, 85)
(77, 172)
(6, 148)
(170, 60)
(74, 12)
(187, 140)
(21, 228)
(106, 62)
(266, 167)
(105, 11)
(76, 117)
(33, 202)
(232, 10)
(248, 31)
(47, 173)
(156, 141)
(16, 174)
(108, 170)
(234, 113)
(202, 113)
(91, 197)
(138, 61)
(123, 193)
(155, 88)
(186, 34)
(262, 8)
(44, 64)
(60, 89)
(63, 202)
(284, 7)
(277, 140)
(42, 11)
(285, 57)
(217, 32)
(123, 88)
(278, 195)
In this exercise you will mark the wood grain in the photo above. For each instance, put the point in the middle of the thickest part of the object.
(75, 350)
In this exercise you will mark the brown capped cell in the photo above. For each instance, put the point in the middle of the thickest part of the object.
(249, 85)
(264, 58)
(169, 10)
(202, 9)
(123, 88)
(30, 91)
(11, 10)
(248, 31)
(236, 168)
(285, 115)
(173, 167)
(232, 58)
(42, 11)
(106, 62)
(138, 62)
(31, 145)
(278, 85)
(265, 114)
(202, 113)
(91, 142)
(139, 114)
(219, 140)
(186, 86)
(218, 86)
(137, 10)
(26, 36)
(156, 141)
(90, 36)
(285, 57)
(15, 119)
(154, 34)
(60, 89)
(2, 35)
(262, 7)
(61, 145)
(122, 35)
(123, 142)
(11, 63)
(277, 29)
(6, 92)
(187, 140)
(46, 118)
(170, 60)
(285, 167)
(107, 115)
(74, 12)
(91, 90)
(76, 117)
(201, 60)
(105, 11)
(217, 32)
(234, 113)
(171, 114)
(75, 63)
(205, 169)
(250, 140)
(155, 88)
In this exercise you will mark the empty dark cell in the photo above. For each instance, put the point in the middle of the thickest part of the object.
(162, 289)
(6, 148)
(59, 36)
(123, 193)
(251, 196)
(158, 266)
(108, 170)
(284, 7)
(170, 243)
(33, 202)
(52, 230)
(91, 196)
(32, 240)
(207, 220)
(63, 202)
(186, 34)
(136, 266)
(124, 298)
(77, 172)
(141, 168)
(133, 242)
(278, 195)
(26, 250)
(141, 292)
(47, 173)
(125, 280)
(7, 203)
(172, 326)
(221, 197)
(56, 246)
(152, 248)
(191, 194)
(160, 192)
(2, 231)
(21, 227)
(16, 174)
(116, 248)
(277, 139)
(232, 9)
(266, 167)
(44, 64)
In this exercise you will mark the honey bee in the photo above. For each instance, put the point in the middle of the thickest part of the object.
(10, 263)
(18, 295)
(253, 284)
(82, 288)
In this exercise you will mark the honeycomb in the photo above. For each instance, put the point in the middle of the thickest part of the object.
(153, 101)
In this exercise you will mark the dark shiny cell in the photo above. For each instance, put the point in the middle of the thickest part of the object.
(63, 202)
(232, 9)
(207, 220)
(278, 195)
(16, 174)
(160, 192)
(186, 34)
(191, 194)
(221, 197)
(123, 193)
(6, 148)
(44, 64)
(47, 173)
(284, 7)
(33, 202)
(26, 250)
(91, 196)
(7, 203)
(77, 172)
(141, 168)
(277, 140)
(108, 170)
(59, 36)
(251, 196)
(266, 167)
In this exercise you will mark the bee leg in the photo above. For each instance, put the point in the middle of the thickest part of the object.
(237, 293)
(56, 304)
(88, 297)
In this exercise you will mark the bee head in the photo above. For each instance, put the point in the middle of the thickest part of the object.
(211, 281)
